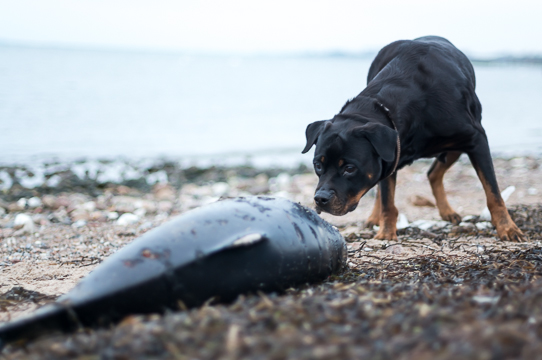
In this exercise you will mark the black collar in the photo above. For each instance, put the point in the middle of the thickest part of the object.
(398, 154)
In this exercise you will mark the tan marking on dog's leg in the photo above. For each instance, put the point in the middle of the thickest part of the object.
(506, 228)
(389, 213)
(436, 175)
(374, 218)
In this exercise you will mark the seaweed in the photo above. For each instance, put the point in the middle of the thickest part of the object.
(482, 303)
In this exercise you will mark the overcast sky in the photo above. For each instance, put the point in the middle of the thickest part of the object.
(482, 28)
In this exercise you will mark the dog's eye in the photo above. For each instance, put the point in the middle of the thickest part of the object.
(318, 168)
(349, 169)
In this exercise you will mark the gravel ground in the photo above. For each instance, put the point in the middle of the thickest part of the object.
(440, 291)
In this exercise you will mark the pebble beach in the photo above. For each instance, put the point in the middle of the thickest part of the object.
(440, 291)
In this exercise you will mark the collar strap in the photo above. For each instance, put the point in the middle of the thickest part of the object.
(398, 152)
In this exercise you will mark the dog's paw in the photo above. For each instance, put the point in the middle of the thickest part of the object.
(452, 217)
(386, 234)
(511, 233)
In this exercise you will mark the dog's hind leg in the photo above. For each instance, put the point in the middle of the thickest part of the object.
(436, 175)
(374, 218)
(480, 158)
(389, 213)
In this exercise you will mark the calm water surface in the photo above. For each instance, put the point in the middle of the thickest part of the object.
(98, 104)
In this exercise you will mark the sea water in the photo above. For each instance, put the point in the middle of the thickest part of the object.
(205, 109)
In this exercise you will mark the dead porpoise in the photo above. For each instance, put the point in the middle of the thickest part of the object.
(219, 251)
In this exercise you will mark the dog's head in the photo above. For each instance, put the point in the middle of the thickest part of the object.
(352, 155)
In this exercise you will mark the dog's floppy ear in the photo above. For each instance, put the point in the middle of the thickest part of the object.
(383, 139)
(313, 131)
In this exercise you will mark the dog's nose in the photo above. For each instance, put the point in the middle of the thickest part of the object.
(322, 197)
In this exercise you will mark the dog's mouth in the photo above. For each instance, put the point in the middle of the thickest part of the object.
(336, 208)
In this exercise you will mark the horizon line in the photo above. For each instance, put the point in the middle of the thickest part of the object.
(331, 53)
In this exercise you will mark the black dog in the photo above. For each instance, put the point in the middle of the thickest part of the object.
(419, 102)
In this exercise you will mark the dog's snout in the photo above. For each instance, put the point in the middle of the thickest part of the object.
(323, 197)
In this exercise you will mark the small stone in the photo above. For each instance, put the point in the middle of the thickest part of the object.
(112, 215)
(21, 203)
(124, 190)
(424, 310)
(148, 206)
(61, 216)
(466, 225)
(418, 200)
(402, 221)
(24, 222)
(124, 204)
(89, 206)
(49, 201)
(34, 202)
(220, 188)
(79, 223)
(469, 218)
(97, 216)
(63, 200)
(483, 299)
(127, 219)
(40, 219)
(484, 225)
(14, 207)
(79, 214)
(140, 212)
(2, 211)
(164, 192)
(428, 224)
(532, 191)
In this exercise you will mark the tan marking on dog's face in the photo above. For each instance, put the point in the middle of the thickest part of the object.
(322, 159)
(341, 162)
(356, 198)
(370, 176)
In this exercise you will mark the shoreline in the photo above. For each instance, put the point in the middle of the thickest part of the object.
(53, 175)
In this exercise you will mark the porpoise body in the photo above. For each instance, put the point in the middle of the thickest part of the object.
(218, 251)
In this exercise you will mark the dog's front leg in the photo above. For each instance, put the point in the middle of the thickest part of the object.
(480, 158)
(389, 213)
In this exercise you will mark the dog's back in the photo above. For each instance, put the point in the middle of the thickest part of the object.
(433, 48)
